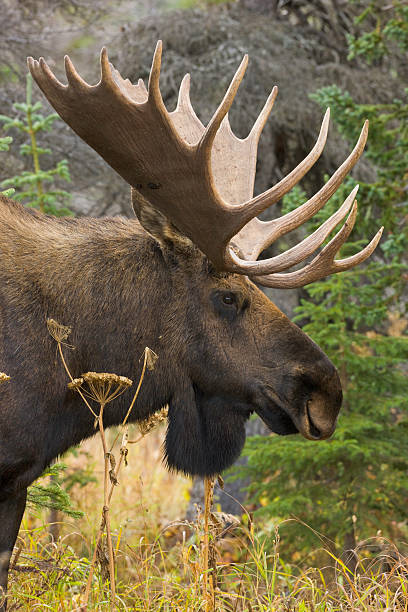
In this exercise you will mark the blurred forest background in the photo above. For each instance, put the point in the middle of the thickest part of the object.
(349, 55)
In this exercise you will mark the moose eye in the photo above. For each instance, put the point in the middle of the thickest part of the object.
(226, 304)
(228, 299)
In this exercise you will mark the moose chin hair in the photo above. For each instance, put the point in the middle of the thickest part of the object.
(205, 435)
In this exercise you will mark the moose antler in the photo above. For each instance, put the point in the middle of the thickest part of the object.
(201, 178)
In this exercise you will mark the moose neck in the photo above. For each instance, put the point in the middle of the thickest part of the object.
(107, 280)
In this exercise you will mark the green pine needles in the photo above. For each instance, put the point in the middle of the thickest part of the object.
(50, 493)
(389, 27)
(4, 146)
(37, 187)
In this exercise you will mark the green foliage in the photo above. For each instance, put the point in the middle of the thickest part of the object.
(385, 198)
(356, 482)
(390, 27)
(36, 188)
(4, 146)
(51, 491)
(5, 143)
(50, 494)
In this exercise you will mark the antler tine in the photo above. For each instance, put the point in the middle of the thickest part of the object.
(345, 264)
(154, 77)
(44, 76)
(263, 115)
(323, 264)
(295, 218)
(207, 139)
(141, 84)
(247, 211)
(299, 252)
(106, 67)
(184, 93)
(73, 78)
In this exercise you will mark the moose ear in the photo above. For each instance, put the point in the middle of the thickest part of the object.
(205, 434)
(156, 224)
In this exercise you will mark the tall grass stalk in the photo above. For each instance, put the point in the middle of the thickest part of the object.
(208, 578)
(155, 575)
(103, 388)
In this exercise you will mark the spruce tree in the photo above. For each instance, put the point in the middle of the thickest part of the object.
(35, 188)
(349, 487)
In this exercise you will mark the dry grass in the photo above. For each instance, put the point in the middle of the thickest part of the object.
(148, 496)
(159, 564)
(147, 499)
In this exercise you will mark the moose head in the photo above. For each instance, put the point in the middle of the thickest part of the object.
(192, 190)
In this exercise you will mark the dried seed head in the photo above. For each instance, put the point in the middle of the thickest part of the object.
(223, 523)
(151, 358)
(104, 377)
(102, 387)
(57, 331)
(153, 420)
(76, 383)
(4, 377)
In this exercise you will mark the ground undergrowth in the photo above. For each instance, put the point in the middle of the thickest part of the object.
(158, 554)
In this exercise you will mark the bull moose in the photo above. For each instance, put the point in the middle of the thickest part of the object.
(177, 279)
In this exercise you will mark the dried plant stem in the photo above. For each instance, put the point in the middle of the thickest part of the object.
(72, 380)
(105, 523)
(17, 554)
(103, 388)
(132, 403)
(105, 511)
(108, 497)
(123, 453)
(208, 583)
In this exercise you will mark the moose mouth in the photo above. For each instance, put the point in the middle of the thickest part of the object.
(278, 420)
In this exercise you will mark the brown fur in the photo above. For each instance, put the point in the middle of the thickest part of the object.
(120, 290)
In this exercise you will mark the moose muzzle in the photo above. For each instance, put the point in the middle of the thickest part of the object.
(317, 418)
(317, 422)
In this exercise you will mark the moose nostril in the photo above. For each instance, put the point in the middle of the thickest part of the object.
(320, 416)
(314, 431)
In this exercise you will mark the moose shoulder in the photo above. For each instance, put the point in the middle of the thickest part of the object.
(175, 279)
